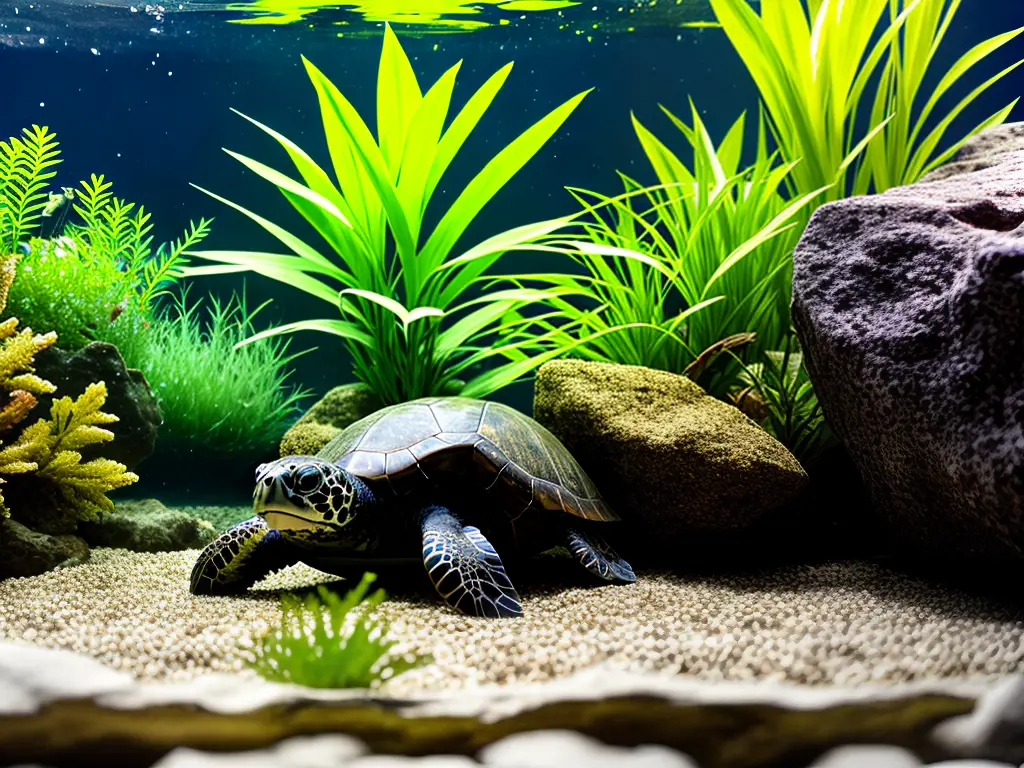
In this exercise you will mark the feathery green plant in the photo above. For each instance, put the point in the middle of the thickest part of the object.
(26, 164)
(214, 393)
(100, 278)
(326, 641)
(815, 67)
(677, 268)
(406, 318)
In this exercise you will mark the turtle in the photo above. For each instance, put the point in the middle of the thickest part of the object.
(434, 479)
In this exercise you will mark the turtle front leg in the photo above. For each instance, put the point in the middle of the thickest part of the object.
(594, 554)
(240, 557)
(465, 569)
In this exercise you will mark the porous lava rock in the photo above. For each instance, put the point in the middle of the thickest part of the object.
(147, 526)
(910, 309)
(665, 454)
(340, 407)
(129, 397)
(982, 151)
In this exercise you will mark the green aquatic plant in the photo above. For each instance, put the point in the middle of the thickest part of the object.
(410, 316)
(216, 394)
(26, 166)
(327, 641)
(815, 64)
(779, 395)
(675, 270)
(99, 280)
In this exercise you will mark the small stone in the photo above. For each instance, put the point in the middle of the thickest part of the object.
(867, 756)
(560, 748)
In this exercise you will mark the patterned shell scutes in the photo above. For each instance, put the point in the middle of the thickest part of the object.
(451, 439)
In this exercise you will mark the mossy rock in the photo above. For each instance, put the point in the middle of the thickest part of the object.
(24, 552)
(148, 526)
(665, 454)
(337, 409)
(342, 406)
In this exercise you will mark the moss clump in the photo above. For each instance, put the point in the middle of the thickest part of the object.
(334, 412)
(663, 452)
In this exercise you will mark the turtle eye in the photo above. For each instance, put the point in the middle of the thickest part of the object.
(307, 479)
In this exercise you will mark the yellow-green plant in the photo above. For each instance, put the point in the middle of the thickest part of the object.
(406, 318)
(26, 164)
(51, 448)
(327, 641)
(816, 62)
(675, 269)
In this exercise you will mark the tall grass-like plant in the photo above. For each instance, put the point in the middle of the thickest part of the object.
(777, 393)
(407, 314)
(696, 263)
(816, 62)
(215, 395)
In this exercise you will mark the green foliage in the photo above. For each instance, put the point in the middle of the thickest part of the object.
(406, 318)
(213, 391)
(98, 281)
(676, 268)
(101, 279)
(815, 67)
(326, 641)
(25, 169)
(779, 393)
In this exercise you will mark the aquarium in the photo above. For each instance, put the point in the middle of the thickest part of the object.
(512, 382)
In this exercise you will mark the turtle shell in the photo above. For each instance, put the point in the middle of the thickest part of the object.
(436, 441)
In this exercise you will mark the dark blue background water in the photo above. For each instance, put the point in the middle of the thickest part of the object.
(150, 110)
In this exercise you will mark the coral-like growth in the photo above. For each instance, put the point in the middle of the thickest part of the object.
(52, 447)
(19, 385)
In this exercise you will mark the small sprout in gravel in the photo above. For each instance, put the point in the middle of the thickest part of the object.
(328, 641)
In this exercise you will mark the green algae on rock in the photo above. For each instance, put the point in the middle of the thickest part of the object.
(336, 410)
(147, 526)
(666, 455)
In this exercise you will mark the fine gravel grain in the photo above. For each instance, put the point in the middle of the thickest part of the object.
(842, 623)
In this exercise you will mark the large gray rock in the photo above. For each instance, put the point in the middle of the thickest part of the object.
(60, 708)
(128, 397)
(910, 309)
(982, 151)
(665, 454)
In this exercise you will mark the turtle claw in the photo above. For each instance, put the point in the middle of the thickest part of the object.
(238, 558)
(594, 554)
(465, 569)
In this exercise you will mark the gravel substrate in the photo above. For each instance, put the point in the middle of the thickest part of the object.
(843, 623)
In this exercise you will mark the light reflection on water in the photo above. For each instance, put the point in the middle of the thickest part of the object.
(113, 25)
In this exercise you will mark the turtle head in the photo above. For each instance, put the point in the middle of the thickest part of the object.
(305, 496)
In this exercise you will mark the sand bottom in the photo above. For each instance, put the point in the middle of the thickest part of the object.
(842, 623)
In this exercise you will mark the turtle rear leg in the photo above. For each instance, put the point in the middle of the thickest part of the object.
(594, 554)
(240, 557)
(465, 569)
